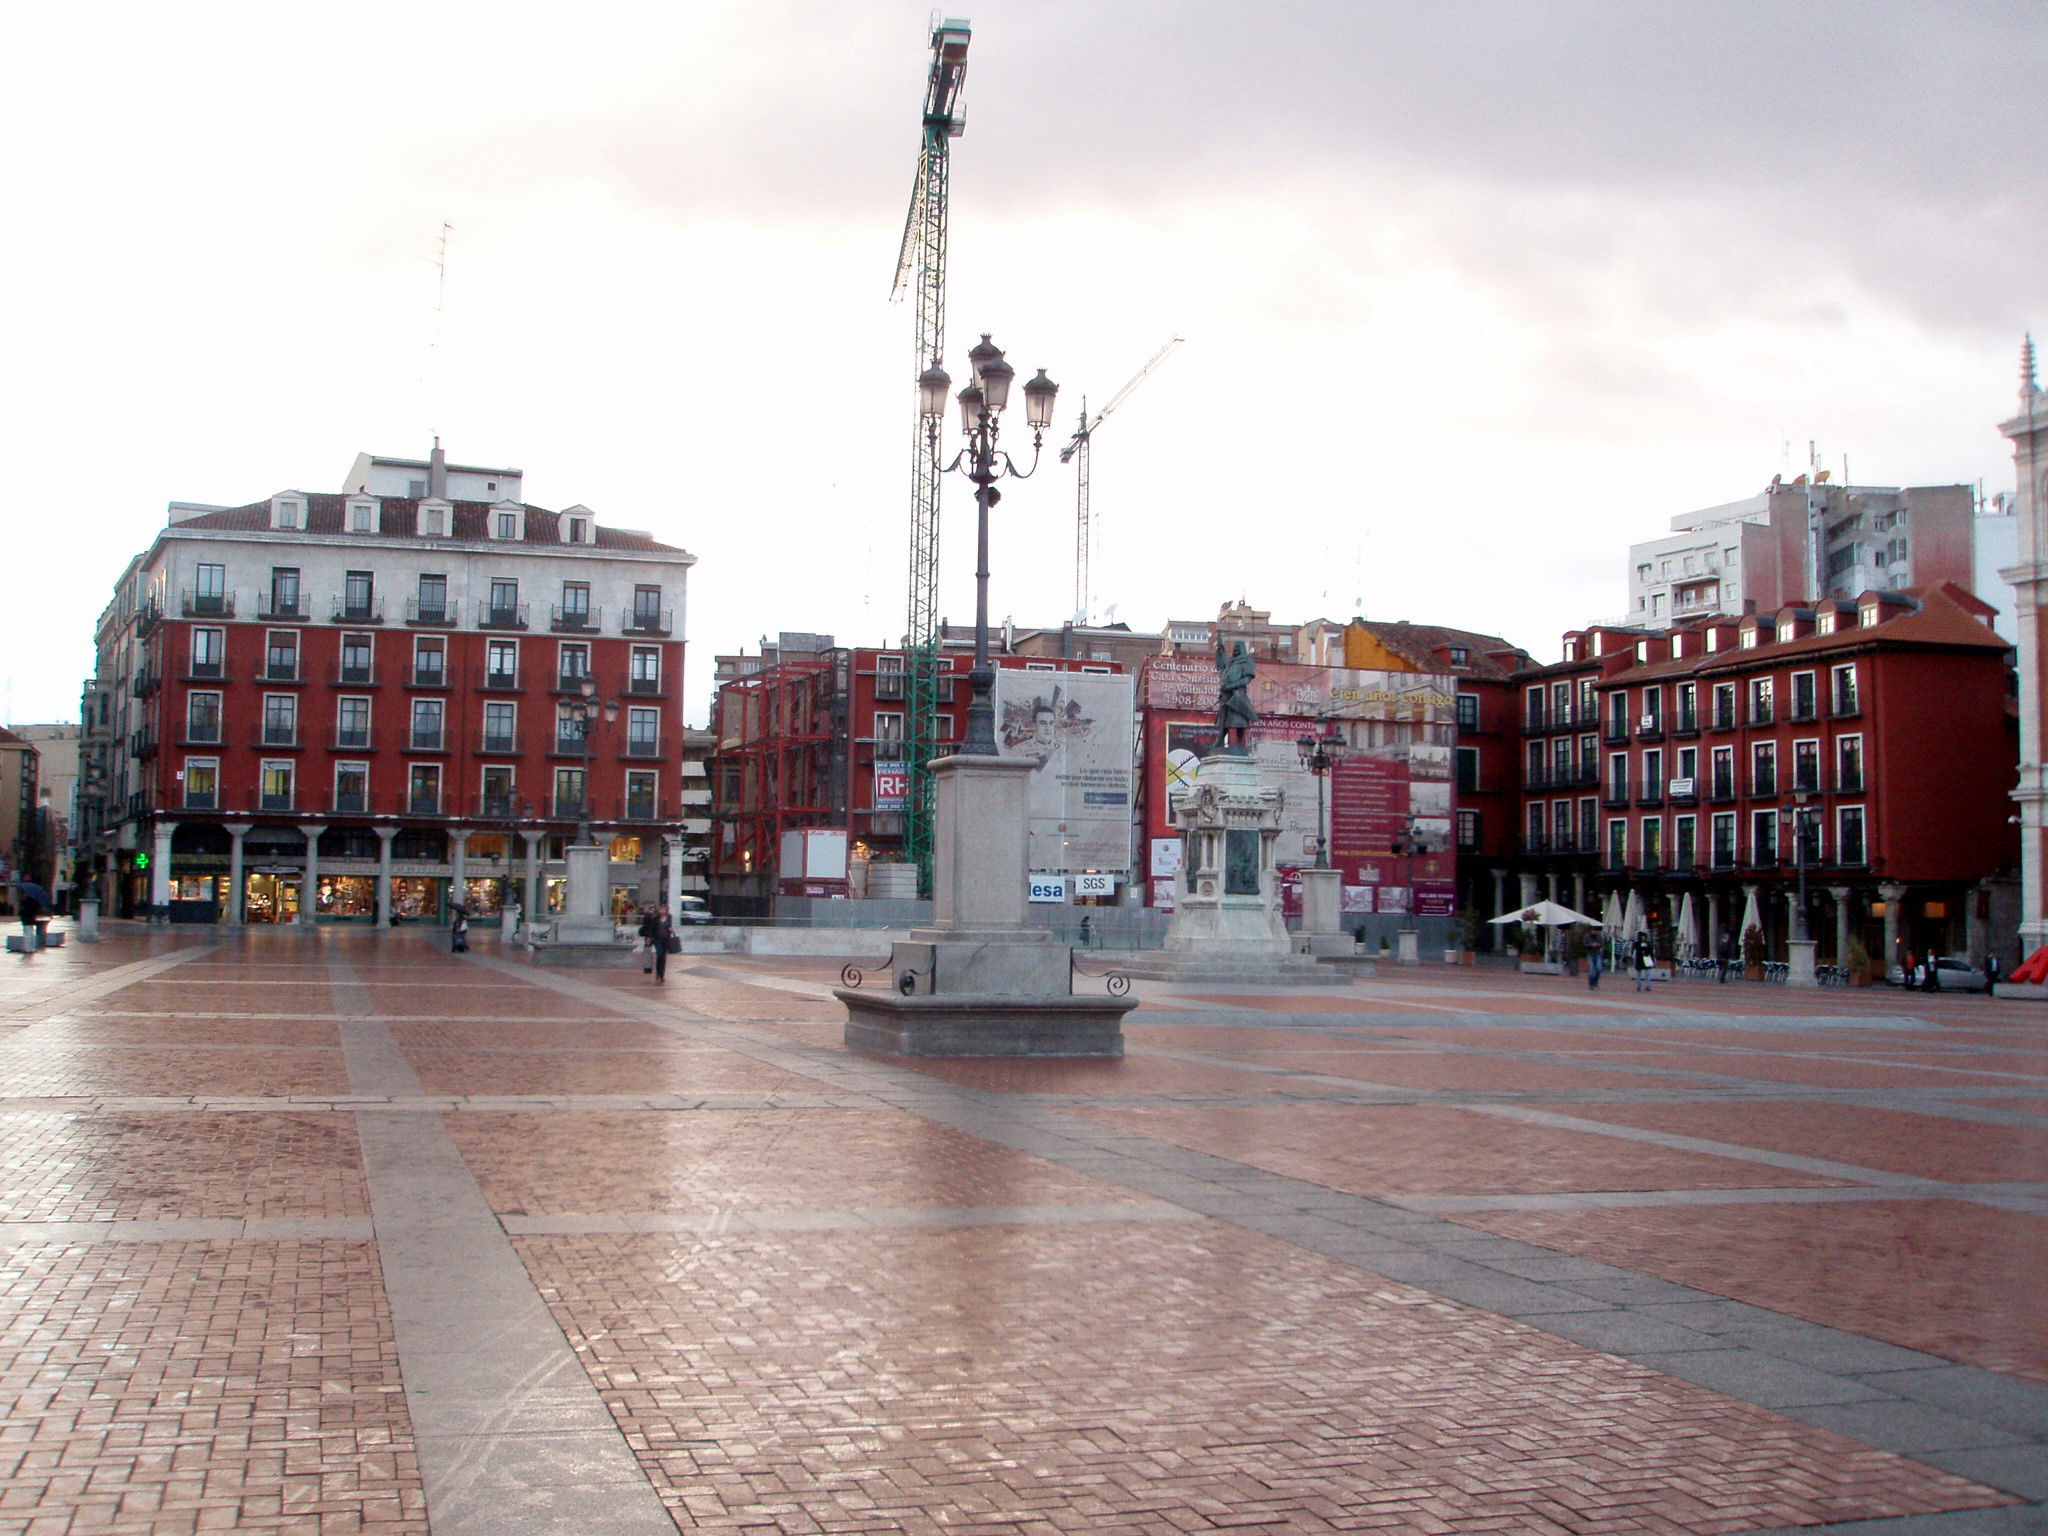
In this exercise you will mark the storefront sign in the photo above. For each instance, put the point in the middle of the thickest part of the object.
(1094, 883)
(1049, 888)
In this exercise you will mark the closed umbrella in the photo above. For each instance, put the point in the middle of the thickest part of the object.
(1632, 919)
(1688, 929)
(1749, 917)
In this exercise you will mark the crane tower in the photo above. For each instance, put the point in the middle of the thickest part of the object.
(1079, 446)
(921, 265)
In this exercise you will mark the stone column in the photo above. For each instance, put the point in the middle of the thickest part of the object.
(1841, 895)
(458, 870)
(160, 864)
(1714, 924)
(673, 846)
(1578, 890)
(534, 842)
(237, 881)
(1529, 897)
(1974, 938)
(1893, 893)
(384, 837)
(1550, 885)
(309, 887)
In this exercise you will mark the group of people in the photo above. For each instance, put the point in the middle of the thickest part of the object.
(1637, 955)
(657, 932)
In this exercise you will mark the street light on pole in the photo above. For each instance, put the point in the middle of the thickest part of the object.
(1794, 813)
(1319, 754)
(587, 709)
(981, 408)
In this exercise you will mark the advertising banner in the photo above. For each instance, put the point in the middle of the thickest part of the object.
(1076, 728)
(892, 786)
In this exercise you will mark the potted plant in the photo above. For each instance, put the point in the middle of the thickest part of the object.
(1859, 964)
(1753, 952)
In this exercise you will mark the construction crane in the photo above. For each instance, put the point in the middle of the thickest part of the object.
(1079, 444)
(921, 264)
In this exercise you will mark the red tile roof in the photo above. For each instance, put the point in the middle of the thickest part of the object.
(398, 517)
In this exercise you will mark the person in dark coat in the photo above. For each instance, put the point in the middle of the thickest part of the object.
(650, 927)
(458, 931)
(664, 939)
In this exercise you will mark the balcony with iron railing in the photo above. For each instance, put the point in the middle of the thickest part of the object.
(148, 615)
(206, 605)
(1724, 718)
(201, 799)
(369, 610)
(1845, 704)
(146, 682)
(349, 738)
(423, 740)
(502, 616)
(644, 687)
(1650, 728)
(275, 802)
(643, 751)
(427, 677)
(1684, 791)
(142, 742)
(1762, 784)
(280, 607)
(1650, 792)
(500, 679)
(274, 736)
(1615, 732)
(1762, 714)
(1722, 787)
(278, 672)
(203, 672)
(500, 743)
(648, 621)
(423, 803)
(575, 621)
(1615, 793)
(430, 614)
(1685, 722)
(201, 733)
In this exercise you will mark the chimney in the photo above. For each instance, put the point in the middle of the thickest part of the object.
(437, 473)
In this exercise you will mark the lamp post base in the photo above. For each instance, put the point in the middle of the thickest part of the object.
(1799, 970)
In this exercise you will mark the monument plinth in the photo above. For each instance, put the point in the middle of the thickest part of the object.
(1226, 922)
(584, 933)
(980, 981)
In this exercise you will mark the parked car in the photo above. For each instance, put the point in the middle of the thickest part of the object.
(692, 909)
(1951, 974)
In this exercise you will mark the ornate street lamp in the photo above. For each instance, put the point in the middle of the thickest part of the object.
(1319, 755)
(1794, 813)
(981, 408)
(587, 709)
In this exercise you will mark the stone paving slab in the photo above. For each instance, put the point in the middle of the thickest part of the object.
(1448, 1251)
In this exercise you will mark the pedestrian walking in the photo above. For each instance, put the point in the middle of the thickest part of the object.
(664, 944)
(1593, 969)
(29, 909)
(650, 928)
(1085, 929)
(1990, 974)
(458, 931)
(1643, 959)
(1724, 956)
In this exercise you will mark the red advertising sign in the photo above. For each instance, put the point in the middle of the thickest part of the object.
(892, 787)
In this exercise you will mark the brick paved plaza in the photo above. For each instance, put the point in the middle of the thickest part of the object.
(342, 1233)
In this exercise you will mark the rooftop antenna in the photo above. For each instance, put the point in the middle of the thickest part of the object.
(430, 379)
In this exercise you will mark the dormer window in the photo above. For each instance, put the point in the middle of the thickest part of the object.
(362, 517)
(287, 513)
(436, 519)
(1460, 656)
(1825, 625)
(504, 525)
(578, 525)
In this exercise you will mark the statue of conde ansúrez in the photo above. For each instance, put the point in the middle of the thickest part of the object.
(1234, 708)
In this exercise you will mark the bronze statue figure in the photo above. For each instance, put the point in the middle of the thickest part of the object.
(1234, 710)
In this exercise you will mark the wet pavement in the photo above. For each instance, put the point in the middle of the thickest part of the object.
(342, 1233)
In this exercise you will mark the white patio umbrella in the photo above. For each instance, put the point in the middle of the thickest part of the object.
(1749, 917)
(1612, 921)
(1545, 914)
(1688, 929)
(1632, 920)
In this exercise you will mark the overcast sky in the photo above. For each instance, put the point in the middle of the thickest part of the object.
(1474, 294)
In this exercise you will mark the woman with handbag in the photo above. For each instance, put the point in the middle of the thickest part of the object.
(664, 944)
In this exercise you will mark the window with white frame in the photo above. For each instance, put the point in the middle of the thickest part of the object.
(427, 718)
(1842, 689)
(1724, 840)
(202, 784)
(209, 652)
(1848, 765)
(202, 717)
(274, 785)
(1763, 837)
(423, 789)
(280, 720)
(1617, 844)
(501, 726)
(352, 722)
(643, 731)
(1849, 847)
(352, 788)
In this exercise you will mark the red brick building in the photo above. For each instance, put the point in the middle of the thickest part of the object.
(1869, 744)
(811, 735)
(358, 704)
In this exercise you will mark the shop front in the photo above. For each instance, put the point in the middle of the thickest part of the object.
(272, 895)
(346, 898)
(418, 898)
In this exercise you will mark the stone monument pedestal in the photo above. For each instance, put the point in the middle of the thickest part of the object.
(1226, 907)
(1322, 925)
(979, 982)
(585, 933)
(1799, 971)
